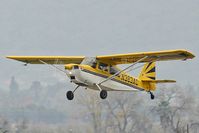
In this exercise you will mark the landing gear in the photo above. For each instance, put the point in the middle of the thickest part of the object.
(70, 94)
(103, 94)
(152, 95)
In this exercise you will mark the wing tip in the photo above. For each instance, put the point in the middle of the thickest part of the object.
(188, 54)
(14, 57)
(10, 57)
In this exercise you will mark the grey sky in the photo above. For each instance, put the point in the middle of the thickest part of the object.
(95, 27)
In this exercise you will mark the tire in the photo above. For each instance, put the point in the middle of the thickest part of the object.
(152, 96)
(70, 95)
(103, 94)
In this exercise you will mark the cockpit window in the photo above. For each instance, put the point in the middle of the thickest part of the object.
(91, 61)
(103, 66)
(113, 70)
(94, 65)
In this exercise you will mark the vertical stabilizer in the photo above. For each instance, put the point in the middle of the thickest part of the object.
(148, 72)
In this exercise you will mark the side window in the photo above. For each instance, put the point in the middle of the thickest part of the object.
(113, 70)
(94, 64)
(103, 66)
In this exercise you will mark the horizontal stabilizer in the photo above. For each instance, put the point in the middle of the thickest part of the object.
(160, 81)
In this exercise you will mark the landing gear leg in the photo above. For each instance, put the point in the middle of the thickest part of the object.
(103, 93)
(152, 95)
(70, 94)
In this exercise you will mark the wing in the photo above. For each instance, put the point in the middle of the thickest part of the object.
(48, 59)
(151, 56)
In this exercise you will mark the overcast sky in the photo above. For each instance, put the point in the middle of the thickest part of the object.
(96, 27)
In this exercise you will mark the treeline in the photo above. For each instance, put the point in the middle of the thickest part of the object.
(44, 109)
(175, 110)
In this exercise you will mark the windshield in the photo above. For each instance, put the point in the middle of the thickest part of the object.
(91, 61)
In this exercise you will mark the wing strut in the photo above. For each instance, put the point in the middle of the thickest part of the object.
(53, 66)
(111, 77)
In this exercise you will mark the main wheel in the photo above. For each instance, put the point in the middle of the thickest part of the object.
(70, 95)
(103, 94)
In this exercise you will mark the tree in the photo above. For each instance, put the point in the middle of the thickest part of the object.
(4, 125)
(124, 116)
(95, 108)
(22, 126)
(174, 109)
(36, 88)
(119, 113)
(14, 87)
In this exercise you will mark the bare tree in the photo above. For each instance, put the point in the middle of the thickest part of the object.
(124, 115)
(94, 110)
(22, 126)
(173, 108)
(14, 87)
(4, 125)
(119, 113)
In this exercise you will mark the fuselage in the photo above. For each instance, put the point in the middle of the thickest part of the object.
(85, 75)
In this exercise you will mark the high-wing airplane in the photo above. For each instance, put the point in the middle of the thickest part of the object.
(102, 73)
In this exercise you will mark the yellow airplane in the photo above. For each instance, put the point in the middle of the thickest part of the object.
(102, 73)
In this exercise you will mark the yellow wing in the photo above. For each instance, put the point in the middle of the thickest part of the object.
(151, 56)
(48, 59)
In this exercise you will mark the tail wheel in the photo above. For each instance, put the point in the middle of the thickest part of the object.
(70, 95)
(103, 94)
(152, 95)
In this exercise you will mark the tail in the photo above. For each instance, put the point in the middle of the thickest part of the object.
(148, 77)
(148, 72)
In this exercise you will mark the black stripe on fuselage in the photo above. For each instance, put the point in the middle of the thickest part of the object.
(104, 76)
